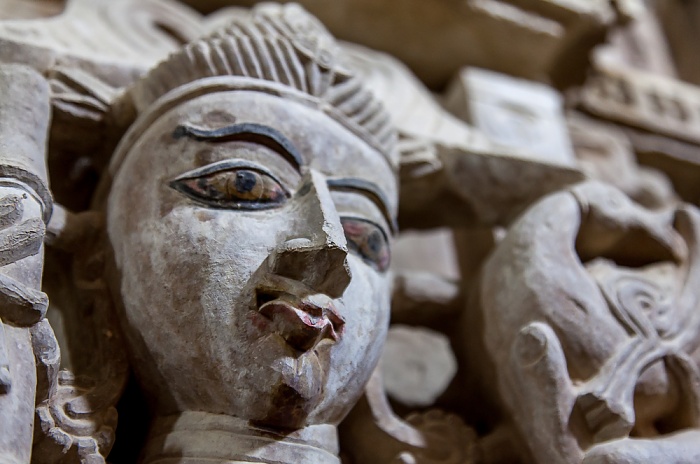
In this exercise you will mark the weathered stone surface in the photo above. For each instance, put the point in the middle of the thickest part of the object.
(677, 160)
(644, 100)
(639, 44)
(601, 345)
(19, 9)
(235, 195)
(436, 39)
(678, 19)
(373, 434)
(87, 35)
(605, 152)
(417, 365)
(513, 113)
(25, 206)
(292, 245)
(452, 174)
(283, 250)
(657, 113)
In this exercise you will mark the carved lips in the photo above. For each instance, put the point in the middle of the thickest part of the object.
(304, 322)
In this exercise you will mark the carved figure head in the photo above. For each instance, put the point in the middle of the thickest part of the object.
(249, 217)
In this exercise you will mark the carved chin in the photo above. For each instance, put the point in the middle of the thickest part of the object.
(299, 385)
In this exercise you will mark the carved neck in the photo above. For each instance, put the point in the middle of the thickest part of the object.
(204, 438)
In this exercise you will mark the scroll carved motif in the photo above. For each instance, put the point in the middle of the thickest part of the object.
(595, 322)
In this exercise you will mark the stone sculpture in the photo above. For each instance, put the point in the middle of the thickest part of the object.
(197, 213)
(271, 169)
(592, 328)
(25, 208)
(248, 211)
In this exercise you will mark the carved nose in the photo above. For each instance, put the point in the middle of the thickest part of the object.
(316, 251)
(322, 268)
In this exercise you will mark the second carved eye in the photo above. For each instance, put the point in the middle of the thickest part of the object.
(234, 188)
(368, 241)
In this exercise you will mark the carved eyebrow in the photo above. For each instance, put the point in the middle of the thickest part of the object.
(368, 189)
(247, 132)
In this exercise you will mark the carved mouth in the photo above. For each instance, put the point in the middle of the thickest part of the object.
(302, 322)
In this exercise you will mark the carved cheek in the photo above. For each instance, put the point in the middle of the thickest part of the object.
(367, 303)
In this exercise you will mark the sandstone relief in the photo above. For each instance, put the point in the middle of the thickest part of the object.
(349, 232)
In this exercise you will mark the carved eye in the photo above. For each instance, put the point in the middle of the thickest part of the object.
(234, 188)
(368, 241)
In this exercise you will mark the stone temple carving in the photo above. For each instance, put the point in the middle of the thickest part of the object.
(598, 359)
(214, 215)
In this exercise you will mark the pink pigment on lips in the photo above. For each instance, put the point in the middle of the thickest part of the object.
(338, 322)
(303, 326)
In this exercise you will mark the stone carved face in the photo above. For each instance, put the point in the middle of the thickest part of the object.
(250, 239)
